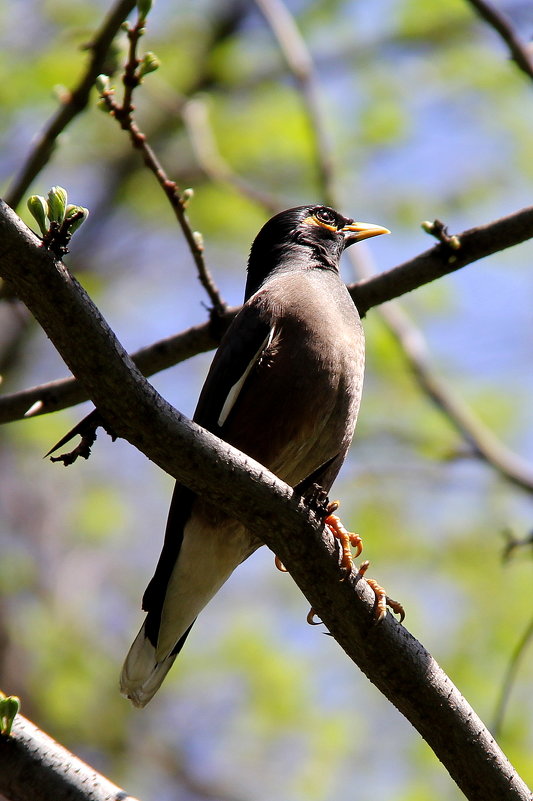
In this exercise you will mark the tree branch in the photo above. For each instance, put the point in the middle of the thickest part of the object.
(123, 113)
(36, 768)
(300, 64)
(519, 51)
(73, 104)
(475, 244)
(392, 659)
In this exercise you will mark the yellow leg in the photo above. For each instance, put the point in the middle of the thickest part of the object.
(347, 539)
(382, 599)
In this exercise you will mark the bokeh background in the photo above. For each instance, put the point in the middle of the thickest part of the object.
(425, 116)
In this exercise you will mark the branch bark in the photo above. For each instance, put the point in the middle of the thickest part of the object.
(391, 658)
(36, 768)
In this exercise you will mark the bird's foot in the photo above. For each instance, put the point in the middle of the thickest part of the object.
(347, 539)
(382, 599)
(380, 604)
(316, 498)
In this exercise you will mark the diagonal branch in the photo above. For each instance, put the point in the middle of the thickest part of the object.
(73, 104)
(36, 767)
(393, 660)
(520, 53)
(300, 64)
(124, 114)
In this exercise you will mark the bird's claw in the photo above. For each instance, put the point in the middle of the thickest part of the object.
(382, 599)
(347, 539)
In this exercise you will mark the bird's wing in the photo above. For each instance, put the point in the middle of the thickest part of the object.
(246, 339)
(239, 351)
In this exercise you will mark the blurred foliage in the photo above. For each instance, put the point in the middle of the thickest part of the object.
(427, 118)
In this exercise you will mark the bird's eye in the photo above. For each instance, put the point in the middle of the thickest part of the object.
(326, 216)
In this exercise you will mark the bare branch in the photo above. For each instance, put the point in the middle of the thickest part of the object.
(510, 676)
(123, 113)
(36, 768)
(393, 660)
(74, 102)
(475, 243)
(497, 20)
(196, 118)
(300, 63)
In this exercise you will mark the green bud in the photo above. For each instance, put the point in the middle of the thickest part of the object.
(427, 226)
(57, 203)
(72, 211)
(102, 83)
(186, 196)
(454, 242)
(150, 63)
(9, 708)
(144, 7)
(39, 210)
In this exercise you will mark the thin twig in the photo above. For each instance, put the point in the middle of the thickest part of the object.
(73, 103)
(497, 20)
(300, 63)
(196, 118)
(123, 113)
(510, 677)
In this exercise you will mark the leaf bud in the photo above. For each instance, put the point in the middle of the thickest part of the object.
(57, 203)
(38, 208)
(150, 63)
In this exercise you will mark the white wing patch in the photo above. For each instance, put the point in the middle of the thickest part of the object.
(236, 388)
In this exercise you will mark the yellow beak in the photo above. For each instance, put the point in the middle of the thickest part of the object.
(357, 231)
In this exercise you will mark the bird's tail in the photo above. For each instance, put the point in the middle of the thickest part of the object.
(142, 674)
(207, 557)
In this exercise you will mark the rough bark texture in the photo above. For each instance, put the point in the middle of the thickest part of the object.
(33, 767)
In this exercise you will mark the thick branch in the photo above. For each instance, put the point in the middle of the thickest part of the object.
(393, 660)
(36, 768)
(475, 244)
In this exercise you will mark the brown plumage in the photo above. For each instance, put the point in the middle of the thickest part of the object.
(284, 387)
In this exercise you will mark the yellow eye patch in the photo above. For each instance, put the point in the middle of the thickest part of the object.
(313, 220)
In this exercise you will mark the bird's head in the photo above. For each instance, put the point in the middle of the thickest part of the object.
(303, 238)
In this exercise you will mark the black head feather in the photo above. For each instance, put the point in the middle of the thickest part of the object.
(301, 238)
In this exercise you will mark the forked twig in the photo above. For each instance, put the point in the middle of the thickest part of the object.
(124, 114)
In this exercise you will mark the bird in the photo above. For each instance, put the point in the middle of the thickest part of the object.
(284, 387)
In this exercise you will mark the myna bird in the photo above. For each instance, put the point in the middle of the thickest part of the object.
(284, 388)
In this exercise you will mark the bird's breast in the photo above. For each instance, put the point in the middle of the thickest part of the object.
(298, 408)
